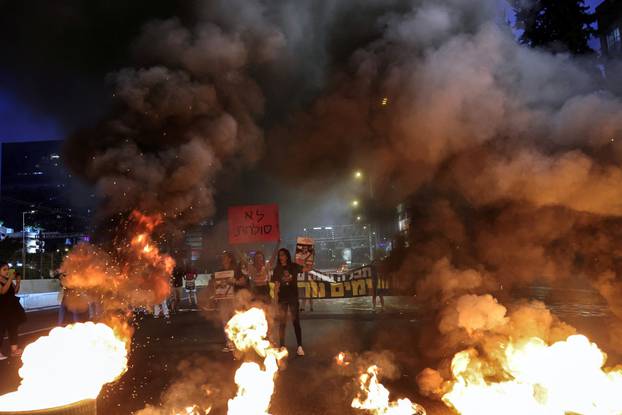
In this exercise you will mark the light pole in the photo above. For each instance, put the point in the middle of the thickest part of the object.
(24, 241)
(360, 176)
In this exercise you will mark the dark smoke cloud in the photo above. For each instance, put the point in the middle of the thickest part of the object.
(191, 108)
(509, 156)
(179, 123)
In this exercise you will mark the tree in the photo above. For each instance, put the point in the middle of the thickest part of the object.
(558, 25)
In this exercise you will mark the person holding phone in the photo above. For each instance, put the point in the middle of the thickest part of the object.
(12, 313)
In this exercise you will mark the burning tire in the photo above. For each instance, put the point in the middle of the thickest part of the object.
(86, 407)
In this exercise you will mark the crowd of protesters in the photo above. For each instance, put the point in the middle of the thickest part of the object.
(250, 282)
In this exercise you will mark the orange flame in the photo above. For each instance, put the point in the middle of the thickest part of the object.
(374, 397)
(194, 410)
(535, 378)
(134, 273)
(68, 365)
(342, 359)
(248, 331)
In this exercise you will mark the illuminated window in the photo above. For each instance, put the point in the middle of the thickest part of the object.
(614, 42)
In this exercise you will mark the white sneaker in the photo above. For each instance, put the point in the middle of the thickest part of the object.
(2, 357)
(300, 351)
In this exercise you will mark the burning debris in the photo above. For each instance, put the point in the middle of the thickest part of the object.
(342, 359)
(73, 363)
(194, 410)
(522, 361)
(373, 397)
(536, 378)
(68, 365)
(132, 273)
(248, 331)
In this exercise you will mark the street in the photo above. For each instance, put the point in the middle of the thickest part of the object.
(185, 358)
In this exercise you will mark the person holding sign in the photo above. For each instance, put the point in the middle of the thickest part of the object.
(305, 256)
(285, 278)
(259, 272)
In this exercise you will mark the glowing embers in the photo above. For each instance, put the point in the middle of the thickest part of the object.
(68, 365)
(374, 397)
(194, 410)
(536, 378)
(342, 359)
(248, 331)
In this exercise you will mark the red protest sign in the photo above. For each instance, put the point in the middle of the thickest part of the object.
(253, 223)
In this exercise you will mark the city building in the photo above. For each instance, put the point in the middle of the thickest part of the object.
(37, 189)
(5, 232)
(609, 17)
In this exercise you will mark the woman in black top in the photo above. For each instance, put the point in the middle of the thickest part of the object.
(12, 313)
(285, 278)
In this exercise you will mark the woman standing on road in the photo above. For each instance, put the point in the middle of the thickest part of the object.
(12, 313)
(285, 277)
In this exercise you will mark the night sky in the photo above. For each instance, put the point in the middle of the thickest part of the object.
(56, 59)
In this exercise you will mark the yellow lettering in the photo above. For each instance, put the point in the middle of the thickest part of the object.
(358, 288)
(336, 289)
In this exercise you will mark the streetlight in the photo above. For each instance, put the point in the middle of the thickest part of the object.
(360, 176)
(355, 203)
(358, 218)
(28, 212)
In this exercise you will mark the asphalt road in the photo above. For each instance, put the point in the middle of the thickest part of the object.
(182, 363)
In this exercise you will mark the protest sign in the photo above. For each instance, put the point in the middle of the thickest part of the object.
(253, 223)
(356, 283)
(224, 285)
(305, 251)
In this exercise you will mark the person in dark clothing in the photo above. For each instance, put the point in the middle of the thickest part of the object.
(177, 281)
(375, 291)
(285, 278)
(12, 313)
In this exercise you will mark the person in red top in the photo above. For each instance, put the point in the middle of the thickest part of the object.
(190, 278)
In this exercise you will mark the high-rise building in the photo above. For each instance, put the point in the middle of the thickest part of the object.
(37, 189)
(609, 16)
